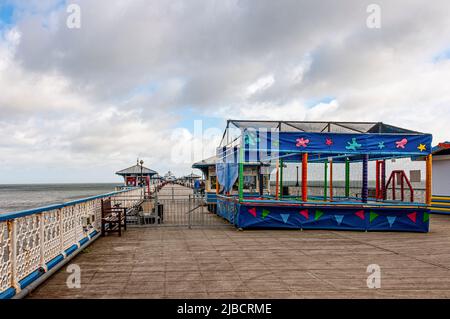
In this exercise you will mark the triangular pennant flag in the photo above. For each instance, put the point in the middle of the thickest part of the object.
(391, 220)
(412, 216)
(339, 218)
(360, 214)
(252, 211)
(426, 217)
(372, 216)
(304, 213)
(318, 214)
(265, 213)
(285, 217)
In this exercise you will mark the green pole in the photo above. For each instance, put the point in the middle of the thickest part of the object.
(281, 179)
(325, 185)
(241, 174)
(347, 178)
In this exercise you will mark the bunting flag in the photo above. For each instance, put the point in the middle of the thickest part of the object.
(323, 217)
(252, 211)
(373, 215)
(285, 217)
(304, 213)
(265, 213)
(318, 214)
(391, 220)
(339, 218)
(412, 216)
(360, 214)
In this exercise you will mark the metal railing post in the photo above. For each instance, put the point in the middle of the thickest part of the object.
(12, 225)
(189, 212)
(61, 232)
(42, 241)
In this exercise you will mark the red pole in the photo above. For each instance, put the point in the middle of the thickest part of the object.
(383, 180)
(402, 185)
(305, 177)
(377, 180)
(393, 185)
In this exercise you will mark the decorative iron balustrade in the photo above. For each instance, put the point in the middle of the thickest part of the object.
(34, 241)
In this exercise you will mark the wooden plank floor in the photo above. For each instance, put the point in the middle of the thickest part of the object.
(176, 262)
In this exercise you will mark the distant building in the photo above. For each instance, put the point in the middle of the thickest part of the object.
(137, 175)
(169, 176)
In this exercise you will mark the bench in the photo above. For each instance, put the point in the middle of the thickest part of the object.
(114, 218)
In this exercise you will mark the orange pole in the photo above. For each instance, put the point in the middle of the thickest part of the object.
(277, 183)
(331, 180)
(217, 185)
(428, 182)
(305, 177)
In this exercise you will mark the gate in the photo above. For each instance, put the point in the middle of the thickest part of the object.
(175, 206)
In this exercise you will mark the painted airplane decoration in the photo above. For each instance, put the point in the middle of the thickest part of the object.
(402, 143)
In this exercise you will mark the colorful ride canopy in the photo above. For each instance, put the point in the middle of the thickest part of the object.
(264, 141)
(336, 143)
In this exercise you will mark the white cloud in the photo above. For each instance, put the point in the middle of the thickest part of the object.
(259, 85)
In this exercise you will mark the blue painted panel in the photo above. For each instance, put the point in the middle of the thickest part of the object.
(8, 293)
(52, 263)
(84, 240)
(329, 217)
(71, 249)
(31, 278)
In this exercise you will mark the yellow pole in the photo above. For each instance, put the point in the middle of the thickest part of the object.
(429, 178)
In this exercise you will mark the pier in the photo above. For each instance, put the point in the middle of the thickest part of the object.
(215, 260)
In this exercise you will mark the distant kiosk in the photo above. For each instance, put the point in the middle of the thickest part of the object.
(169, 177)
(137, 175)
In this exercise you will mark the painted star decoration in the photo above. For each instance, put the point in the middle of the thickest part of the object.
(329, 141)
(353, 145)
(301, 142)
(381, 145)
(422, 147)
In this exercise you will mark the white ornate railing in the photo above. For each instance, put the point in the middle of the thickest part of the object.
(34, 241)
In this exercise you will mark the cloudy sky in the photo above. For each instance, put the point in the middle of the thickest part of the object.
(76, 105)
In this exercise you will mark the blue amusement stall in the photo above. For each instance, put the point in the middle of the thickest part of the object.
(384, 208)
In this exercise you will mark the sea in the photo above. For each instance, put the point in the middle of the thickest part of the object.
(15, 198)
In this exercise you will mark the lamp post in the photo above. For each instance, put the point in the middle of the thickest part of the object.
(142, 175)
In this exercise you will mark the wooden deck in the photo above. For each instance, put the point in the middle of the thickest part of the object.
(176, 262)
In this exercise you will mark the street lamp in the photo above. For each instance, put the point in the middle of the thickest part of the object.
(142, 177)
